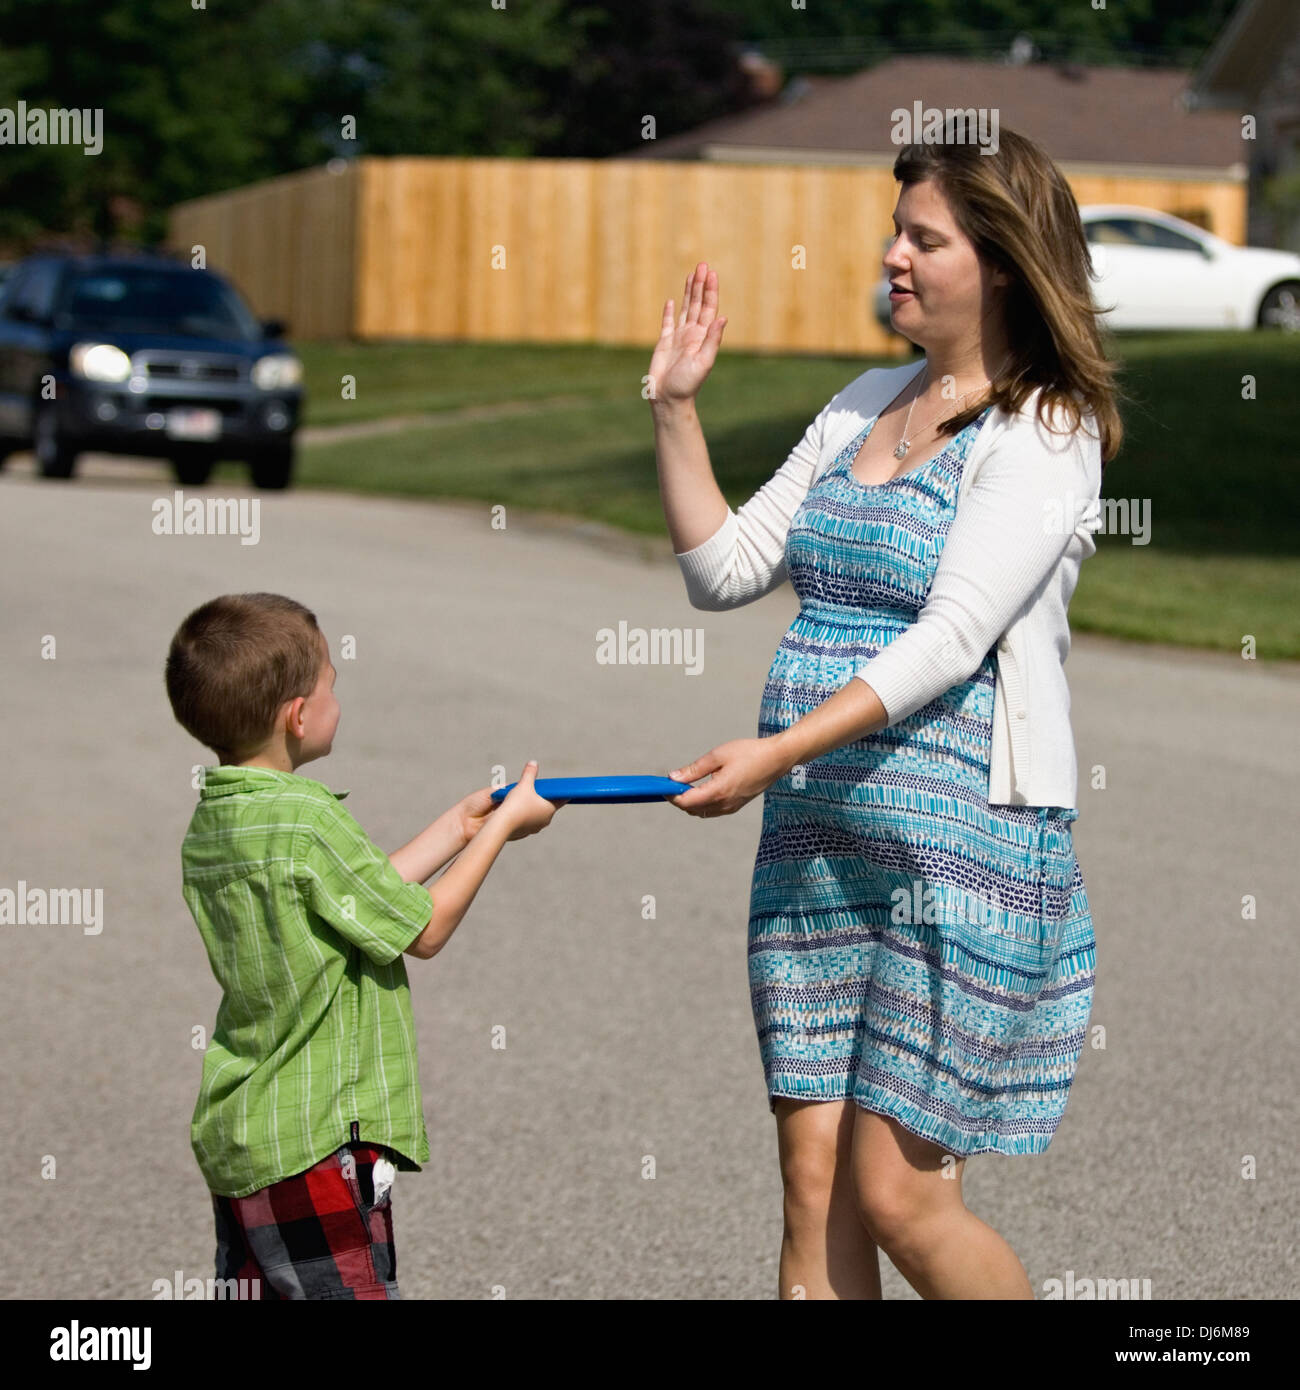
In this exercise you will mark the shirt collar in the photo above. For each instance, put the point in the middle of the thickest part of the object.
(229, 779)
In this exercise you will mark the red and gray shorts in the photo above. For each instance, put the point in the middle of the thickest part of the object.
(318, 1234)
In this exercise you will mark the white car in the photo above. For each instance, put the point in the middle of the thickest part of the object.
(1159, 272)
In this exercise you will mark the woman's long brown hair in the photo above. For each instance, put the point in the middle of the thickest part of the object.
(1019, 213)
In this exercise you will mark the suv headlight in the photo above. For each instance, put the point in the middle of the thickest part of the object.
(277, 372)
(99, 362)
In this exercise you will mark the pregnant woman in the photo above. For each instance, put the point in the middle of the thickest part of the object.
(921, 950)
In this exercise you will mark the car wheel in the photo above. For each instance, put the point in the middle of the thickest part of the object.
(55, 456)
(193, 469)
(272, 467)
(1281, 307)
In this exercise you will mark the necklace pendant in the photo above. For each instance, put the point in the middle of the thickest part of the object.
(900, 450)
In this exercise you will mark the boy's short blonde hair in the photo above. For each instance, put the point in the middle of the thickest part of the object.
(234, 661)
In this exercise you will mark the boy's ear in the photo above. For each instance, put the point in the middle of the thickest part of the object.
(292, 711)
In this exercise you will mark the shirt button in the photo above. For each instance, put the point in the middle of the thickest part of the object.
(1020, 714)
(1003, 645)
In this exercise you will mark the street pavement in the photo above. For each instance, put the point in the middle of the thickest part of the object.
(630, 1047)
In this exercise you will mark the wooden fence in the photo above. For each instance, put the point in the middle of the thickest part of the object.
(578, 250)
(290, 244)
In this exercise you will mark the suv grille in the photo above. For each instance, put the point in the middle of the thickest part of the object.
(187, 366)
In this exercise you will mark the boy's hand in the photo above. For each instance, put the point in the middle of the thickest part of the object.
(473, 811)
(524, 810)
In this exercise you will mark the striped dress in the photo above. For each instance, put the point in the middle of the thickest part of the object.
(911, 946)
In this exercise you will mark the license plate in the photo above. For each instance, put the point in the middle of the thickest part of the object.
(193, 424)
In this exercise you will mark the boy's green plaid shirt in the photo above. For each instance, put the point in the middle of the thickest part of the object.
(305, 921)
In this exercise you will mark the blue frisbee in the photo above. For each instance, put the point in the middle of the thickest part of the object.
(601, 789)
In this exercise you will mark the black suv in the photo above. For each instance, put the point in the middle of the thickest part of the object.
(142, 354)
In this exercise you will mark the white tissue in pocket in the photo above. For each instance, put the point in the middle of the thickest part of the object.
(383, 1174)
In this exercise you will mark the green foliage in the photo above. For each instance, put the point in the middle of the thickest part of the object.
(197, 101)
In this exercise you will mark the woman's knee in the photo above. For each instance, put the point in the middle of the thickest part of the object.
(894, 1213)
(815, 1149)
(808, 1177)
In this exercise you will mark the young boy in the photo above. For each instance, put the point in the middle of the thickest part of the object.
(310, 1097)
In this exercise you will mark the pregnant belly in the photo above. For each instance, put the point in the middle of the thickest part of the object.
(818, 656)
(947, 738)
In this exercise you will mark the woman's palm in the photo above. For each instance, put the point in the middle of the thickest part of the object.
(688, 344)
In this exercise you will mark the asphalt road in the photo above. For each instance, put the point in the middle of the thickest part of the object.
(626, 1037)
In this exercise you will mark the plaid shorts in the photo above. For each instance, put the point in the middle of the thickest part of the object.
(318, 1234)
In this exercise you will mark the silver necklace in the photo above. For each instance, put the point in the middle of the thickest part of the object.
(904, 444)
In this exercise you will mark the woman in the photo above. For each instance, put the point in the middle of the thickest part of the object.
(921, 951)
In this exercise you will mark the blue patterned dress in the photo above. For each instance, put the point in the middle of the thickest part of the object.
(911, 947)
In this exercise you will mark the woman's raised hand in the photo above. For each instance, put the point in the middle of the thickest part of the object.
(684, 354)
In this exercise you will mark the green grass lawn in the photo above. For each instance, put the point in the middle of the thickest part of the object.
(412, 378)
(1222, 473)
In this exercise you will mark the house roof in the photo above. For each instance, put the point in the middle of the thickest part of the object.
(1082, 115)
(1244, 54)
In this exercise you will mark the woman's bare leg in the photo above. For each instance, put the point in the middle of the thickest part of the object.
(917, 1216)
(826, 1251)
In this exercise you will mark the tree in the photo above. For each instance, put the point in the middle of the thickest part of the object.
(196, 101)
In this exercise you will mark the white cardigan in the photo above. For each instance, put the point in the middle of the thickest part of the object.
(1026, 513)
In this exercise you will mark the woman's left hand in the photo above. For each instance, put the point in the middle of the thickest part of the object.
(740, 770)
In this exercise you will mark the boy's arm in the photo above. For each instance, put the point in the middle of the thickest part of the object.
(419, 859)
(351, 884)
(457, 887)
(357, 889)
